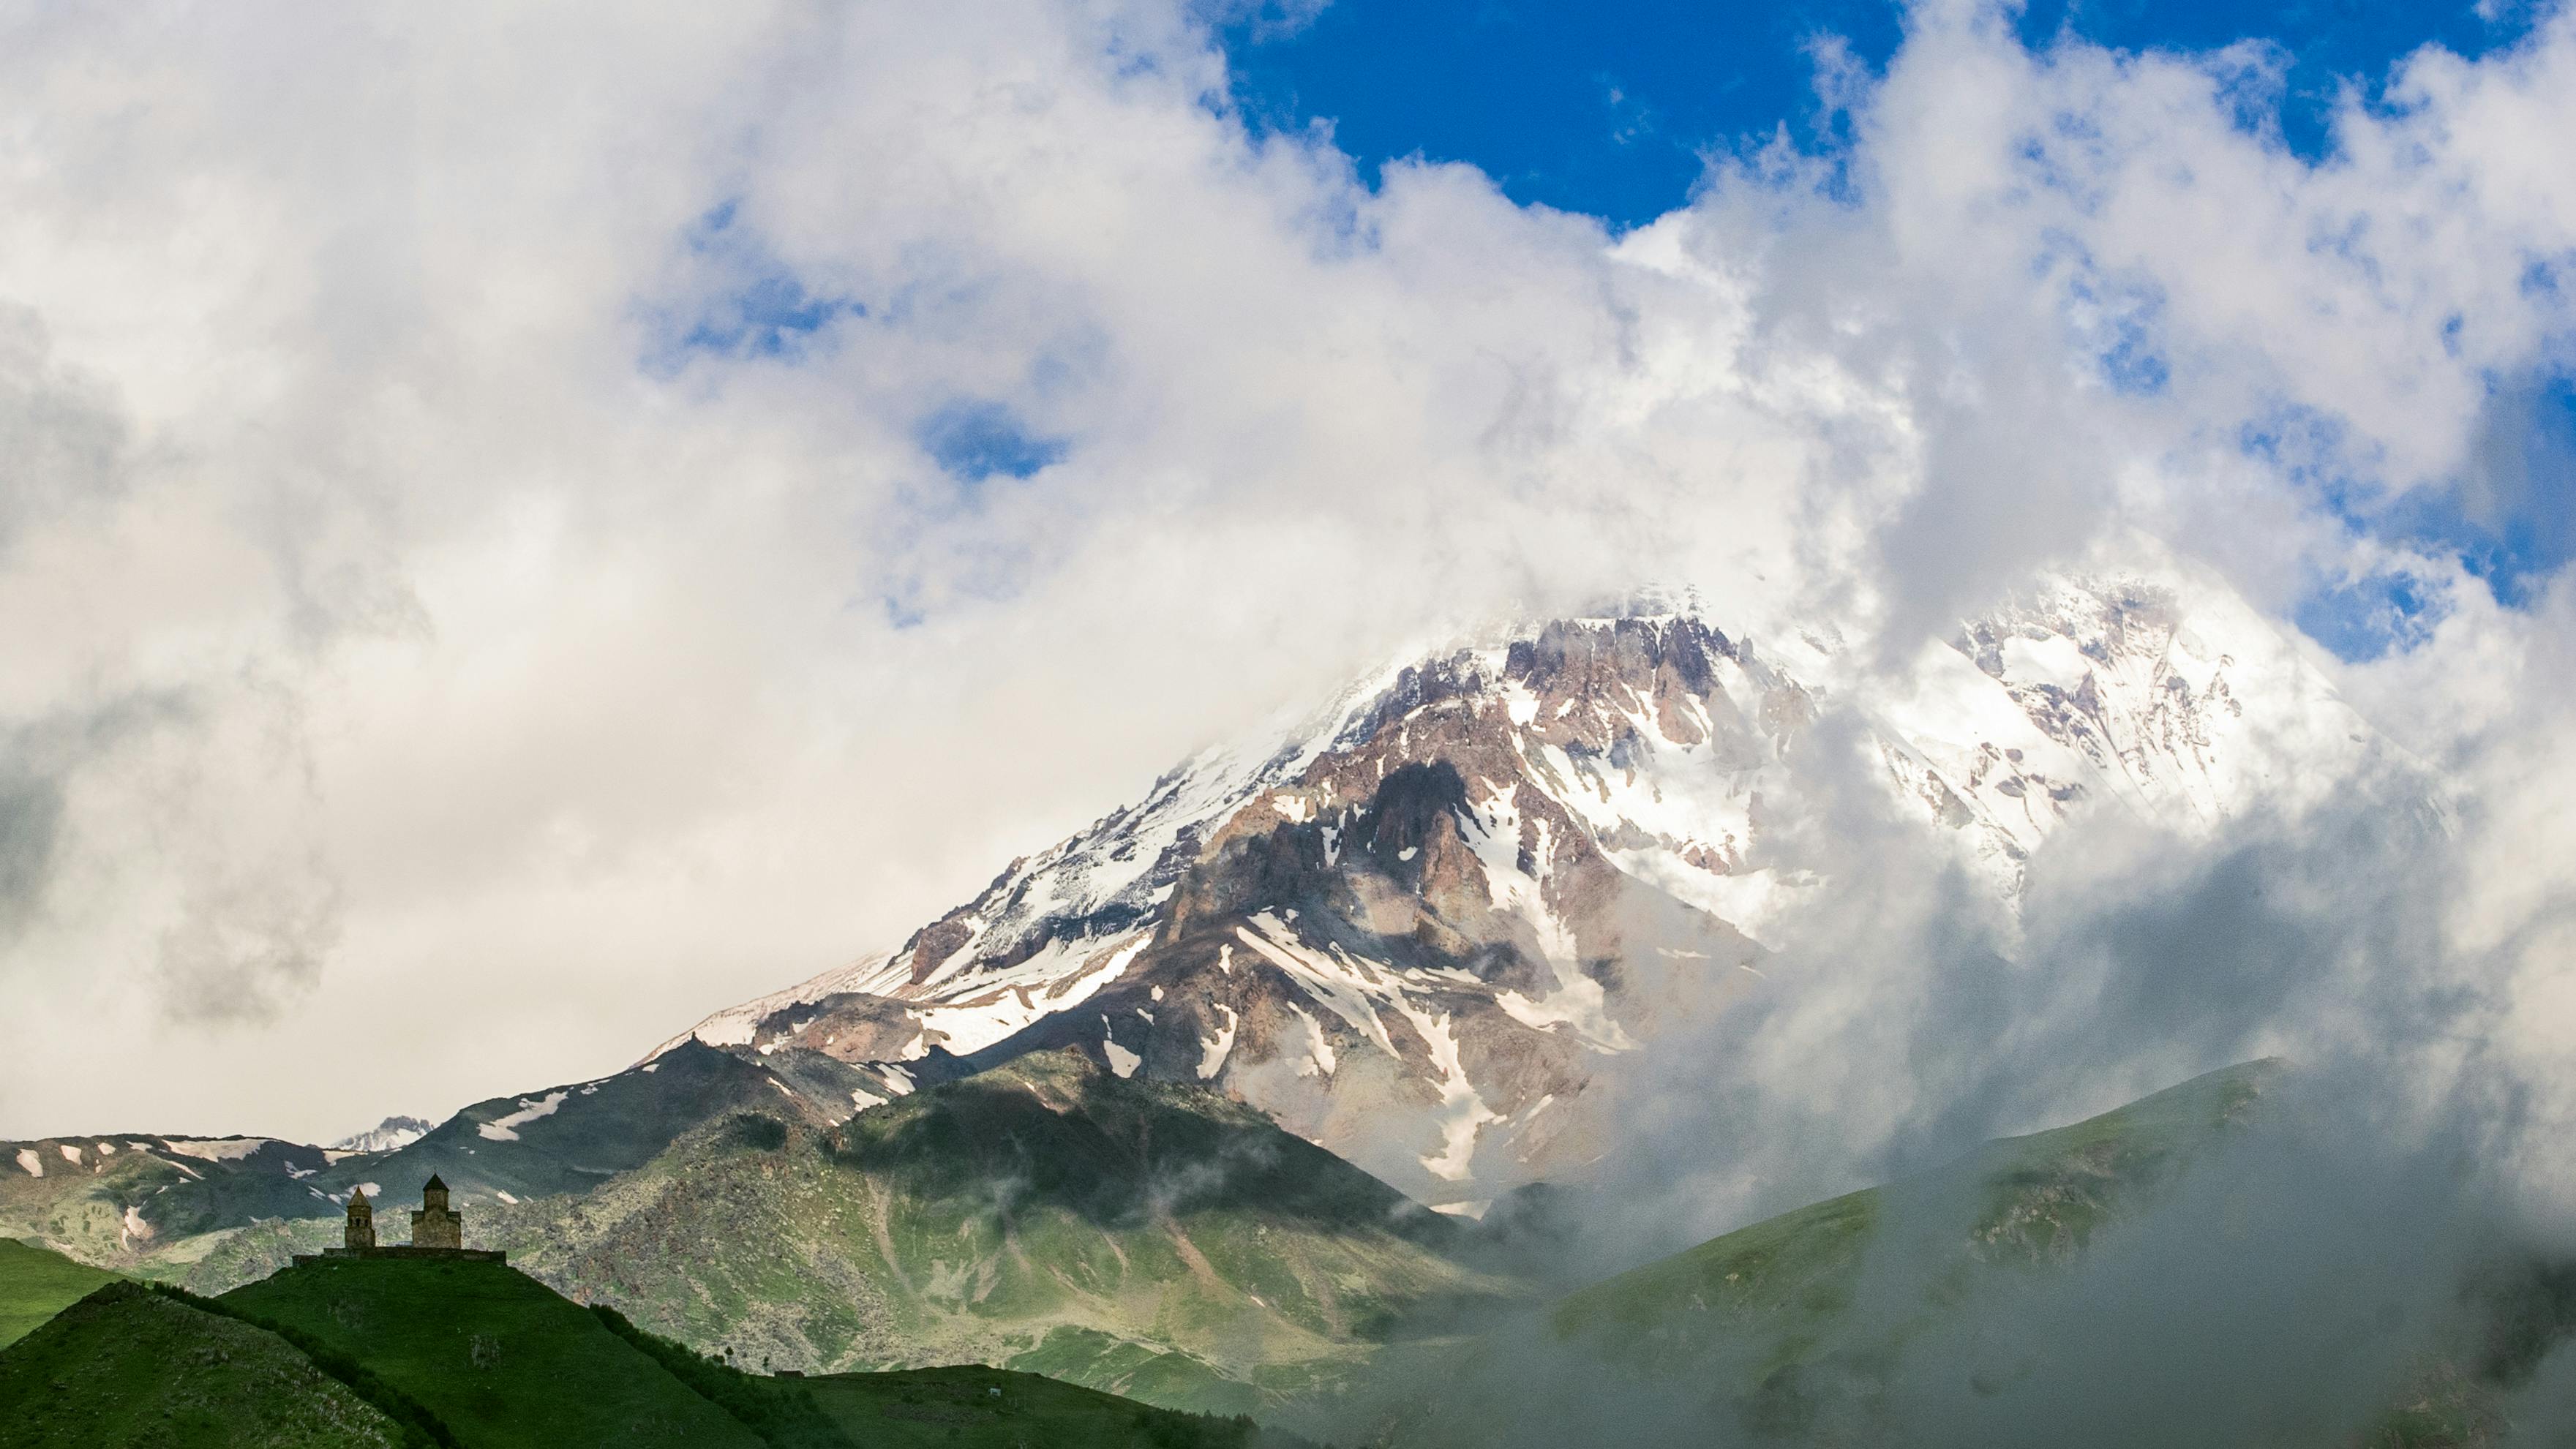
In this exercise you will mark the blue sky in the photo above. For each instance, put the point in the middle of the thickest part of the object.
(1605, 107)
(1608, 108)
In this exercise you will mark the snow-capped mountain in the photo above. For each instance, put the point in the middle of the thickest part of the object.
(385, 1136)
(1412, 929)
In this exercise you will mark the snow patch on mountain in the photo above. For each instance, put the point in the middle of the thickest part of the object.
(1217, 1048)
(505, 1129)
(736, 1025)
(1462, 1112)
(222, 1149)
(1349, 989)
(1314, 1054)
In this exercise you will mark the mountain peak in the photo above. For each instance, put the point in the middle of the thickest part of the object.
(385, 1136)
(1412, 928)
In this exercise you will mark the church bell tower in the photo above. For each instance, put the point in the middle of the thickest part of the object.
(361, 1234)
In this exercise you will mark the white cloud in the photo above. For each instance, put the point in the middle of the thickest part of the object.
(510, 682)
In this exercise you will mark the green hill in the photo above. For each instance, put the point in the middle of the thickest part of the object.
(37, 1283)
(502, 1359)
(959, 1405)
(984, 1408)
(1791, 1328)
(126, 1366)
(420, 1352)
(1145, 1238)
(1819, 1325)
(1771, 1296)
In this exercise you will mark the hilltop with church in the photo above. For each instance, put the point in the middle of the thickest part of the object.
(437, 1231)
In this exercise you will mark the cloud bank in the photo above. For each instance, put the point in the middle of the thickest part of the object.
(519, 526)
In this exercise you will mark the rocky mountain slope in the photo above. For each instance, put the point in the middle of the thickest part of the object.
(1149, 1238)
(181, 1208)
(1413, 930)
(123, 1199)
(568, 1138)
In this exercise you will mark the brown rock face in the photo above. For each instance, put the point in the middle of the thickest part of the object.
(1403, 943)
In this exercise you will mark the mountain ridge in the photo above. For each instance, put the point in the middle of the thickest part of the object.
(1415, 927)
(1143, 1237)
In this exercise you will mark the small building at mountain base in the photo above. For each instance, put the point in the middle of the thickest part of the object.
(437, 1231)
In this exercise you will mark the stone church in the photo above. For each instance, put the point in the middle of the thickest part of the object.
(437, 1231)
(437, 1225)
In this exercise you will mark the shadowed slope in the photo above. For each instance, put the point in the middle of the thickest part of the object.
(573, 1137)
(128, 1366)
(502, 1359)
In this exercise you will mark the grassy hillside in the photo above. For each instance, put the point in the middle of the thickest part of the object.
(1791, 1328)
(1149, 1239)
(1825, 1325)
(503, 1360)
(415, 1354)
(985, 1408)
(968, 1405)
(37, 1283)
(1781, 1284)
(128, 1366)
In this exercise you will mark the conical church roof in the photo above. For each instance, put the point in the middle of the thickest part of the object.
(433, 1184)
